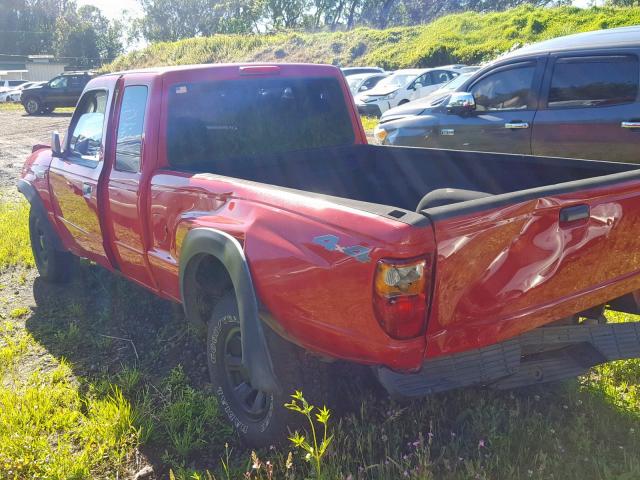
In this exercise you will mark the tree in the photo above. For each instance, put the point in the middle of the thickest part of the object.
(170, 20)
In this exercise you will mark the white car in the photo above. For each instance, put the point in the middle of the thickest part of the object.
(364, 81)
(13, 95)
(402, 87)
(6, 85)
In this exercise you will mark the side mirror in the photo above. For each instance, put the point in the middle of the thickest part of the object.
(461, 103)
(417, 85)
(363, 88)
(56, 149)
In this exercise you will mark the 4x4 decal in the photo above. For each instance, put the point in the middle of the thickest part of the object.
(330, 242)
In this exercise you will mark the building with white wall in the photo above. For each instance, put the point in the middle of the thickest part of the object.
(34, 68)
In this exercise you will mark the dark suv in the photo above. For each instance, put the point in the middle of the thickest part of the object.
(575, 96)
(61, 91)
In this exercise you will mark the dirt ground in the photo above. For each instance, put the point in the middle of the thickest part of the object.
(18, 133)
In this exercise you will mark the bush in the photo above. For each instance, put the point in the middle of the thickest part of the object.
(460, 38)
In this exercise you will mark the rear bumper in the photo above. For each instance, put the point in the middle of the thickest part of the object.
(546, 354)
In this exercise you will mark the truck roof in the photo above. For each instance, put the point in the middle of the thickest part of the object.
(312, 67)
(613, 37)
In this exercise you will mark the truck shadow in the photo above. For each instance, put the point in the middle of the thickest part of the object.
(104, 325)
(51, 115)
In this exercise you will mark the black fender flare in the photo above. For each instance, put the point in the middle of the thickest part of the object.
(30, 193)
(224, 247)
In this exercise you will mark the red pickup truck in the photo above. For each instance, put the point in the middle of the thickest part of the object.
(248, 193)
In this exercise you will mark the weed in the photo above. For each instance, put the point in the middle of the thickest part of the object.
(19, 312)
(316, 451)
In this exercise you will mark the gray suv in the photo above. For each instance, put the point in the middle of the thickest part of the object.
(575, 96)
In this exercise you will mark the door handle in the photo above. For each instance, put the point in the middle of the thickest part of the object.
(630, 125)
(573, 214)
(516, 125)
(86, 190)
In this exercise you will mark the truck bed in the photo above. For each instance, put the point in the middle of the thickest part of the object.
(506, 263)
(401, 176)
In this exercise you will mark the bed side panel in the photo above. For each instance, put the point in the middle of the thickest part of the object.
(511, 269)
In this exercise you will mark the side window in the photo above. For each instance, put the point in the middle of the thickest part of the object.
(75, 82)
(504, 90)
(58, 82)
(423, 79)
(86, 139)
(130, 127)
(440, 76)
(370, 82)
(593, 81)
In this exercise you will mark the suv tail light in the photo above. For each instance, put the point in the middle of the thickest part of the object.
(400, 296)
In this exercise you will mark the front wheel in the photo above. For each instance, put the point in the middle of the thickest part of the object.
(259, 417)
(32, 106)
(53, 265)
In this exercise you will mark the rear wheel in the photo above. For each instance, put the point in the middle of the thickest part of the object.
(260, 417)
(32, 105)
(53, 265)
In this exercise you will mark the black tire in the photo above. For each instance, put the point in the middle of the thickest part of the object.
(46, 109)
(260, 419)
(32, 105)
(53, 265)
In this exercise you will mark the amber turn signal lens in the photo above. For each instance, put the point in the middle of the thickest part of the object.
(394, 279)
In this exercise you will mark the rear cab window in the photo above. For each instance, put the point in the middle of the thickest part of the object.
(212, 121)
(130, 128)
(593, 81)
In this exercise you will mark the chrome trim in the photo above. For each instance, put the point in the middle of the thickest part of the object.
(516, 125)
(630, 124)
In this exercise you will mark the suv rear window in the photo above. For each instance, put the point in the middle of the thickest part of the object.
(594, 81)
(215, 121)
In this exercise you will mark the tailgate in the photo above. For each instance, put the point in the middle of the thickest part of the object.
(506, 269)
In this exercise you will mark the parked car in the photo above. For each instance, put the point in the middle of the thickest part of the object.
(61, 91)
(347, 71)
(435, 97)
(14, 94)
(248, 194)
(6, 85)
(364, 81)
(402, 87)
(575, 96)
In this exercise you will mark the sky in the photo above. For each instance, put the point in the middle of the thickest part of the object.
(114, 8)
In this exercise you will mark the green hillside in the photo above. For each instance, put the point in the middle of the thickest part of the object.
(466, 38)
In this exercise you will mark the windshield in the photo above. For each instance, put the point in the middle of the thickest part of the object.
(397, 80)
(216, 121)
(354, 81)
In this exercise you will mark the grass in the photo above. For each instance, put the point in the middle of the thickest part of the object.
(369, 123)
(15, 247)
(99, 374)
(17, 107)
(466, 37)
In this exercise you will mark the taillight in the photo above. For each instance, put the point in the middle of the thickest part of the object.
(400, 296)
